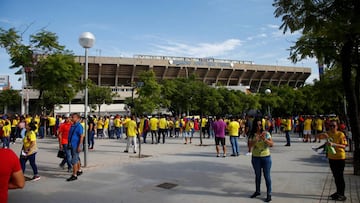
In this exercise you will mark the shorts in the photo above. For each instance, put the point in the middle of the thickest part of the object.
(74, 156)
(307, 132)
(219, 140)
(188, 134)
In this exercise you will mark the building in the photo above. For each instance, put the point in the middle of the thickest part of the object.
(4, 82)
(120, 72)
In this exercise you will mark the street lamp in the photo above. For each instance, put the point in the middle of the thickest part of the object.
(86, 40)
(268, 92)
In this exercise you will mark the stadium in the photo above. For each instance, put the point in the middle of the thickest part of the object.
(119, 73)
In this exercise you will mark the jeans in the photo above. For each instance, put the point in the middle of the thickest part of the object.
(41, 132)
(67, 158)
(161, 132)
(6, 142)
(153, 135)
(91, 140)
(337, 169)
(287, 134)
(234, 144)
(118, 132)
(263, 163)
(31, 159)
(144, 135)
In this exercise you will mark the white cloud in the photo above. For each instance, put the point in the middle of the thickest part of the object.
(198, 50)
(272, 26)
(262, 35)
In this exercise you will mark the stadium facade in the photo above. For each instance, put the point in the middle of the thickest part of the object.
(119, 73)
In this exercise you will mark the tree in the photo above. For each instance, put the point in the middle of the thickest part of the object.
(149, 94)
(330, 32)
(99, 95)
(9, 99)
(54, 68)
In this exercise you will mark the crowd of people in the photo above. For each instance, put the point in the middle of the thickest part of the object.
(69, 130)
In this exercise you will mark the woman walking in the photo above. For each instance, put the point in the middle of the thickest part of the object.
(29, 150)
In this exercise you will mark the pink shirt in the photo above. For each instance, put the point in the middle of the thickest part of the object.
(219, 128)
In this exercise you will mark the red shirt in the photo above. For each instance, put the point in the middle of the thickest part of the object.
(64, 130)
(9, 164)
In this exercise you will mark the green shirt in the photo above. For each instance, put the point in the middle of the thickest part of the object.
(260, 148)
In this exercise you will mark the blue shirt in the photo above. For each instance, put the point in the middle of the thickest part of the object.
(75, 133)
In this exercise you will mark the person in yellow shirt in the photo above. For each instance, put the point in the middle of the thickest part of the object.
(287, 128)
(30, 150)
(261, 142)
(6, 134)
(118, 126)
(52, 123)
(189, 126)
(170, 124)
(177, 127)
(132, 132)
(307, 129)
(319, 123)
(204, 125)
(100, 128)
(125, 124)
(337, 140)
(233, 129)
(162, 129)
(154, 122)
(106, 126)
(14, 128)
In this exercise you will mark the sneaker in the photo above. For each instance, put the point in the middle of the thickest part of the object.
(255, 194)
(248, 154)
(218, 155)
(341, 198)
(233, 155)
(314, 148)
(224, 155)
(79, 173)
(268, 198)
(126, 151)
(134, 152)
(62, 166)
(36, 178)
(72, 178)
(334, 196)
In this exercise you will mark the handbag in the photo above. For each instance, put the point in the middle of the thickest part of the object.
(61, 154)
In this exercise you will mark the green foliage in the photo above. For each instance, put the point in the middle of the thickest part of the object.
(99, 95)
(54, 68)
(149, 94)
(10, 99)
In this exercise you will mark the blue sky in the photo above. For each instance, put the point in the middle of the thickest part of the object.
(224, 29)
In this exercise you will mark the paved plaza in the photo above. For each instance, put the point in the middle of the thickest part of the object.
(189, 173)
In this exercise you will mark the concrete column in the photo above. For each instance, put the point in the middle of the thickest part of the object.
(117, 75)
(99, 74)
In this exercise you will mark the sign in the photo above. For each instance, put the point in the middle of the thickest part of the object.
(4, 80)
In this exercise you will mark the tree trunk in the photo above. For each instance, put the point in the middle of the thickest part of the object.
(353, 101)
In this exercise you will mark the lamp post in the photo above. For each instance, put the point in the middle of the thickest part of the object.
(86, 40)
(268, 92)
(69, 86)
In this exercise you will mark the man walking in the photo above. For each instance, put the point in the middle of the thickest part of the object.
(76, 137)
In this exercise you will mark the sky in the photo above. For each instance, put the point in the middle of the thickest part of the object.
(222, 29)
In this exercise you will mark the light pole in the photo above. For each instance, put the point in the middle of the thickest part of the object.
(86, 40)
(268, 92)
(69, 86)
